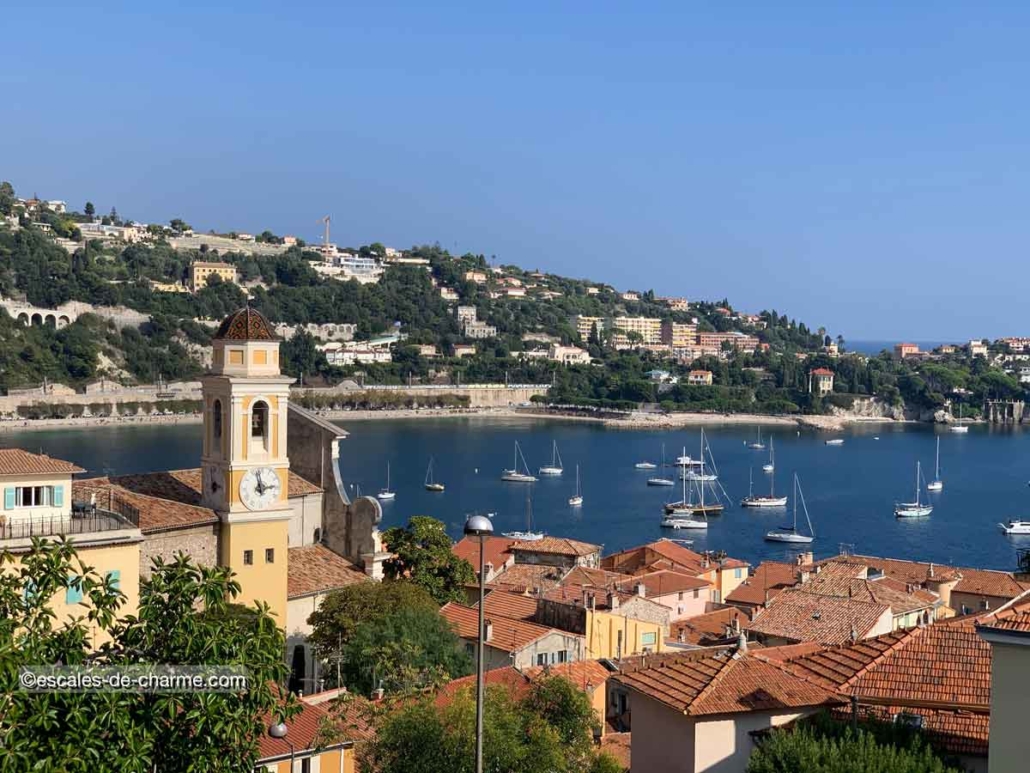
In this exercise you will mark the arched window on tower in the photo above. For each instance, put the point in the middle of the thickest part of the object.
(216, 424)
(259, 424)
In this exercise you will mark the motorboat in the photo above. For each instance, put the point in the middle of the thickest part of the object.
(1015, 527)
(835, 441)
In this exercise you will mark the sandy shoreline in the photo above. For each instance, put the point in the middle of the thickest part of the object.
(637, 421)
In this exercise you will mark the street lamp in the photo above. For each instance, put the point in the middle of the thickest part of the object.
(278, 730)
(480, 526)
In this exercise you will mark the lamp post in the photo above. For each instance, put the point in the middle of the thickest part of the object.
(480, 526)
(278, 730)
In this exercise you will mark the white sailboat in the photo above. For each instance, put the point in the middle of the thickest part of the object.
(960, 427)
(577, 499)
(791, 533)
(770, 466)
(515, 474)
(762, 501)
(555, 467)
(680, 515)
(757, 445)
(936, 484)
(699, 475)
(688, 507)
(385, 494)
(431, 484)
(1015, 527)
(528, 535)
(917, 508)
(659, 480)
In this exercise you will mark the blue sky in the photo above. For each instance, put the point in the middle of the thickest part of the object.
(861, 168)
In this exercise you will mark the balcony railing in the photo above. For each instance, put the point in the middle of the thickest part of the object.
(82, 521)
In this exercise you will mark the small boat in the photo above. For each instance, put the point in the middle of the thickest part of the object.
(685, 461)
(385, 494)
(528, 535)
(1015, 527)
(757, 445)
(936, 484)
(770, 466)
(645, 465)
(555, 467)
(430, 484)
(960, 427)
(516, 475)
(762, 501)
(791, 533)
(576, 500)
(706, 477)
(686, 505)
(915, 509)
(658, 480)
(835, 441)
(684, 522)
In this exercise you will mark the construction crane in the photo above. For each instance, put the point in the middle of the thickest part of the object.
(325, 221)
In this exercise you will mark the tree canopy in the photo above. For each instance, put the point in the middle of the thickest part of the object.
(422, 554)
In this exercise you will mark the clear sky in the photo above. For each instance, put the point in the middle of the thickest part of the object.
(861, 168)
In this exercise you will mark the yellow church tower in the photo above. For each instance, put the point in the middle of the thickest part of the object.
(244, 461)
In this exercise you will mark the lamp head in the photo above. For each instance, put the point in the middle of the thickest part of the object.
(478, 526)
(278, 730)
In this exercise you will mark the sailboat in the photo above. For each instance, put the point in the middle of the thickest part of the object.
(762, 501)
(680, 515)
(555, 467)
(914, 509)
(699, 475)
(577, 499)
(658, 480)
(528, 535)
(960, 427)
(770, 466)
(936, 484)
(430, 484)
(515, 475)
(701, 508)
(791, 533)
(385, 494)
(757, 445)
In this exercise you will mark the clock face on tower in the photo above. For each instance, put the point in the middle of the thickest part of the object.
(259, 488)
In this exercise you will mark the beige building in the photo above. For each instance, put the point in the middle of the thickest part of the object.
(584, 325)
(648, 328)
(699, 378)
(511, 642)
(678, 335)
(201, 271)
(821, 381)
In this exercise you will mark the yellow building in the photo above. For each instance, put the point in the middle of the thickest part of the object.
(613, 635)
(37, 502)
(648, 328)
(201, 271)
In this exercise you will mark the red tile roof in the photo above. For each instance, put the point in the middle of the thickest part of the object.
(515, 683)
(302, 731)
(979, 582)
(561, 546)
(496, 551)
(841, 579)
(725, 682)
(155, 513)
(797, 616)
(513, 605)
(619, 746)
(822, 372)
(317, 569)
(508, 634)
(952, 731)
(15, 461)
(583, 674)
(1014, 616)
(770, 577)
(664, 581)
(708, 629)
(530, 578)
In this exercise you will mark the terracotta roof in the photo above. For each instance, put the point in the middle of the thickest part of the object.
(302, 731)
(797, 615)
(316, 569)
(155, 513)
(841, 579)
(513, 605)
(186, 485)
(725, 682)
(980, 582)
(771, 576)
(707, 629)
(664, 581)
(598, 578)
(954, 731)
(561, 546)
(822, 372)
(508, 634)
(15, 461)
(1014, 616)
(351, 715)
(514, 681)
(246, 324)
(528, 578)
(619, 746)
(495, 548)
(582, 673)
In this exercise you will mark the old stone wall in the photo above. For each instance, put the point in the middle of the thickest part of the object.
(200, 543)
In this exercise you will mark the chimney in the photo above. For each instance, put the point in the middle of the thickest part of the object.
(588, 599)
(909, 587)
(931, 568)
(613, 600)
(489, 567)
(378, 693)
(640, 590)
(736, 624)
(742, 642)
(805, 577)
(488, 629)
(854, 634)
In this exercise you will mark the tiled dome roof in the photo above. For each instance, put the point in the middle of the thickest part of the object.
(247, 324)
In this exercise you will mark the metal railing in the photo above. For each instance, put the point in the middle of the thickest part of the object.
(90, 522)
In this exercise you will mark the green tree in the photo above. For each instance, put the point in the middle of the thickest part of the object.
(179, 225)
(89, 210)
(422, 554)
(98, 732)
(7, 198)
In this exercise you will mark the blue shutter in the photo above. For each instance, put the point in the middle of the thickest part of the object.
(58, 496)
(116, 578)
(9, 498)
(74, 593)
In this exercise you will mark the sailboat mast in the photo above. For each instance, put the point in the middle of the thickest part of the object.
(917, 481)
(701, 483)
(937, 463)
(795, 501)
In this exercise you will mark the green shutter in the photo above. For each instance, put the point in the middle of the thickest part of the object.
(58, 496)
(74, 593)
(116, 578)
(9, 498)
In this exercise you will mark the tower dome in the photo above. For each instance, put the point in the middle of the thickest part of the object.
(245, 324)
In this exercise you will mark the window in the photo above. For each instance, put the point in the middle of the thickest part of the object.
(259, 420)
(563, 656)
(697, 593)
(34, 496)
(305, 765)
(679, 596)
(216, 419)
(648, 639)
(738, 573)
(906, 719)
(541, 659)
(269, 555)
(248, 557)
(74, 593)
(115, 575)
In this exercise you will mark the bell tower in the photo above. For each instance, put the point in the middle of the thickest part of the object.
(244, 462)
